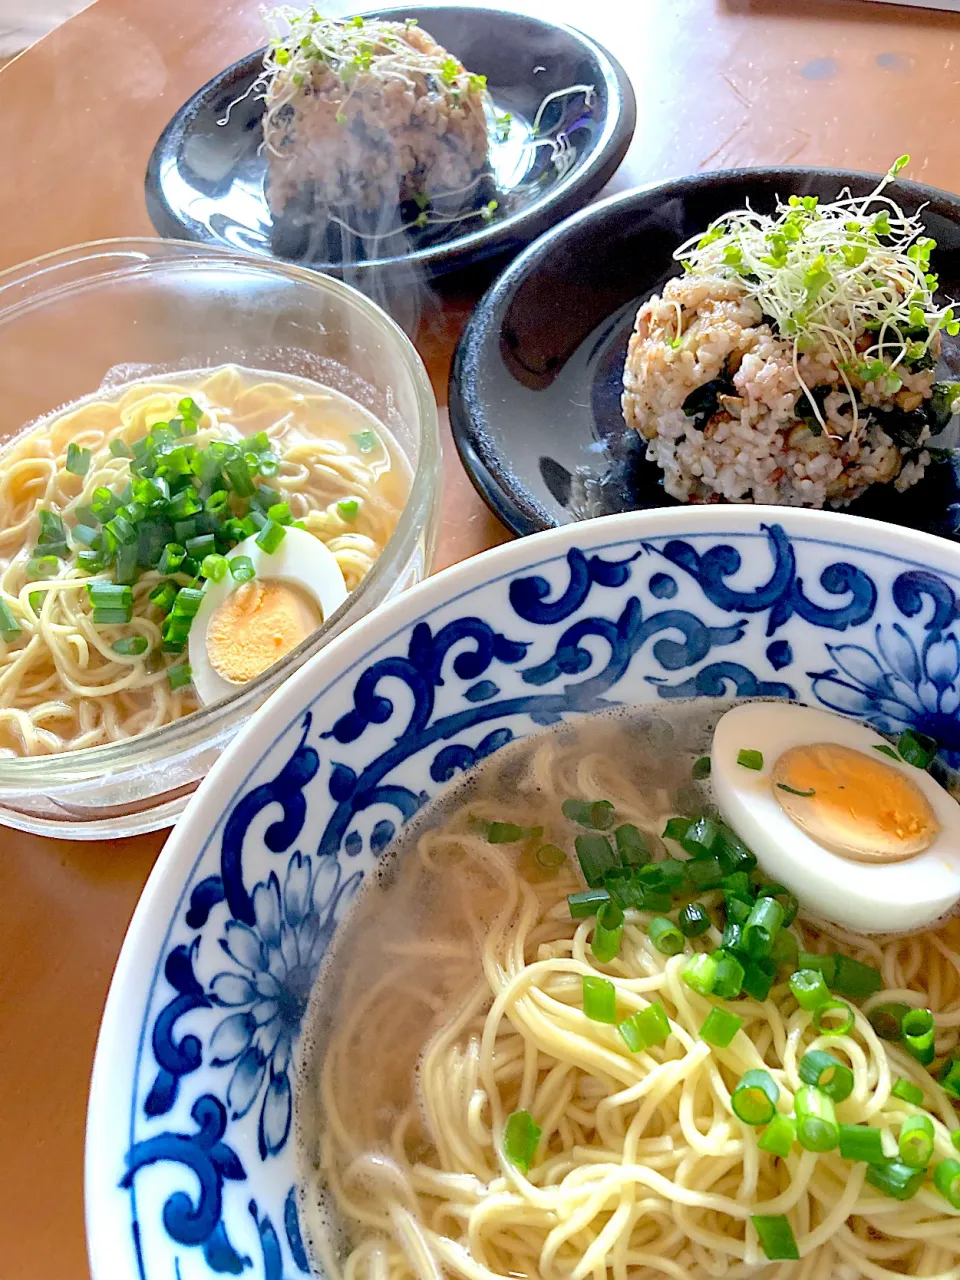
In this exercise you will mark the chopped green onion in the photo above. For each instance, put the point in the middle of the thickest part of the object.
(85, 534)
(607, 933)
(732, 852)
(549, 856)
(917, 748)
(214, 567)
(172, 558)
(521, 1135)
(916, 1141)
(596, 814)
(599, 999)
(779, 1136)
(120, 449)
(677, 828)
(728, 981)
(785, 951)
(705, 874)
(887, 1020)
(644, 1029)
(270, 536)
(776, 1237)
(104, 616)
(758, 977)
(826, 965)
(366, 440)
(720, 1027)
(510, 832)
(279, 513)
(78, 460)
(188, 408)
(918, 1032)
(737, 885)
(750, 759)
(828, 1073)
(854, 979)
(827, 1010)
(595, 855)
(238, 475)
(788, 901)
(701, 769)
(624, 887)
(782, 786)
(658, 900)
(202, 545)
(108, 594)
(761, 927)
(131, 646)
(860, 1142)
(946, 1178)
(163, 596)
(586, 904)
(673, 874)
(949, 1077)
(700, 838)
(886, 751)
(907, 1091)
(809, 989)
(348, 508)
(895, 1179)
(188, 602)
(693, 920)
(632, 845)
(241, 568)
(754, 1099)
(955, 1138)
(665, 936)
(51, 528)
(700, 973)
(817, 1128)
(125, 567)
(43, 567)
(9, 627)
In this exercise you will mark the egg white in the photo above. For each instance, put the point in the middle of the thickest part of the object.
(871, 899)
(301, 560)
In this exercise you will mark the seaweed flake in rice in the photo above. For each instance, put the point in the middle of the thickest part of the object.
(793, 361)
(370, 123)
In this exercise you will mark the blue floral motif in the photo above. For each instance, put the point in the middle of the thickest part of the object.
(578, 633)
(896, 686)
(275, 961)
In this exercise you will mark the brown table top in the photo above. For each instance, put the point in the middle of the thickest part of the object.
(720, 84)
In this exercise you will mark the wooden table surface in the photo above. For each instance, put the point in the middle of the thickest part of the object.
(719, 83)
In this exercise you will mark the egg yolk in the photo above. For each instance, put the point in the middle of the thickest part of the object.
(853, 804)
(256, 625)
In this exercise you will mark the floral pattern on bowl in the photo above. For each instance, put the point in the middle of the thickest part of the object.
(190, 1162)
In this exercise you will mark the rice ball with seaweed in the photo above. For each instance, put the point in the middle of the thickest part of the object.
(793, 360)
(363, 116)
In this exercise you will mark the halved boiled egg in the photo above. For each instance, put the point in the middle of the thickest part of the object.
(242, 628)
(860, 836)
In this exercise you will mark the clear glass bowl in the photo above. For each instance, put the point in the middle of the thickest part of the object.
(121, 309)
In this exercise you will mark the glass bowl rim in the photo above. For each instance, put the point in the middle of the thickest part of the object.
(191, 732)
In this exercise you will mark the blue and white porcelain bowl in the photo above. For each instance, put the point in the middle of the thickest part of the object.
(190, 1163)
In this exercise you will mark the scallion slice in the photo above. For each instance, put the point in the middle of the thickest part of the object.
(949, 1077)
(915, 1142)
(646, 1028)
(521, 1136)
(550, 857)
(692, 920)
(750, 759)
(946, 1178)
(887, 1020)
(761, 927)
(700, 838)
(599, 815)
(705, 873)
(788, 900)
(826, 965)
(270, 536)
(120, 449)
(917, 748)
(809, 989)
(779, 1136)
(907, 1091)
(918, 1034)
(831, 1009)
(728, 982)
(677, 828)
(719, 1027)
(214, 567)
(607, 933)
(853, 979)
(701, 769)
(78, 460)
(586, 904)
(42, 567)
(817, 1128)
(596, 856)
(665, 936)
(241, 568)
(131, 646)
(860, 1142)
(754, 1099)
(776, 1237)
(599, 999)
(700, 973)
(895, 1179)
(829, 1074)
(632, 845)
(10, 628)
(758, 977)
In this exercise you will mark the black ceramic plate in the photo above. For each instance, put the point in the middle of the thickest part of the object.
(536, 381)
(205, 180)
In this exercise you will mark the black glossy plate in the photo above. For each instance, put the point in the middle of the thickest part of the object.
(536, 381)
(205, 180)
